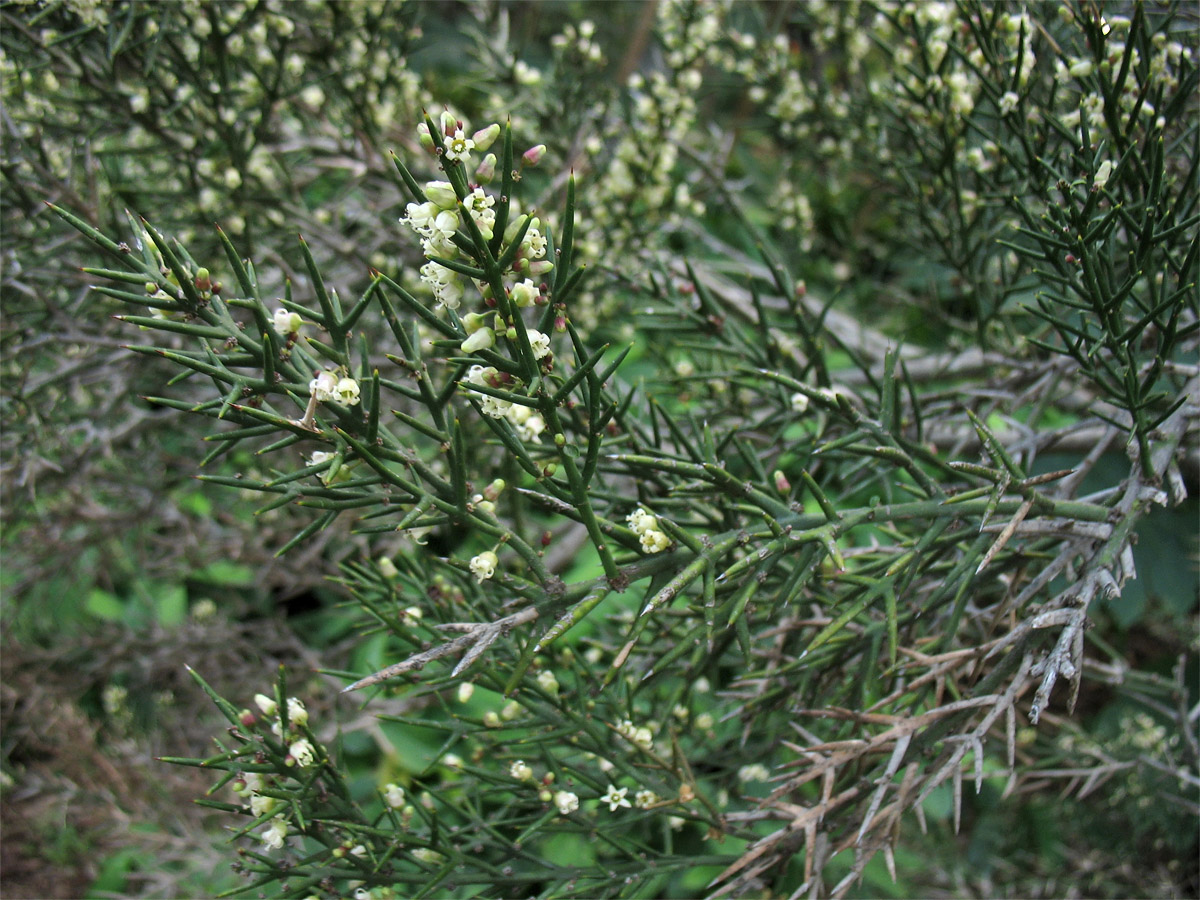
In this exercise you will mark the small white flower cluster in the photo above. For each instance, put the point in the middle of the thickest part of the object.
(252, 786)
(439, 220)
(753, 772)
(641, 735)
(646, 526)
(327, 387)
(527, 423)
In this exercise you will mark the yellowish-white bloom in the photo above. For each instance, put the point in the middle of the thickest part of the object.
(286, 323)
(520, 771)
(566, 802)
(302, 753)
(297, 714)
(484, 565)
(393, 795)
(275, 833)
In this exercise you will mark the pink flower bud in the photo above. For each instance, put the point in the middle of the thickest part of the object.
(534, 155)
(485, 137)
(487, 169)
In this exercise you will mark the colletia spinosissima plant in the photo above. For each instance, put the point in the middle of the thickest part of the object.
(802, 605)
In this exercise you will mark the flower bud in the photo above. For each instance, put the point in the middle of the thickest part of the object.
(479, 340)
(266, 704)
(423, 137)
(441, 194)
(781, 483)
(203, 280)
(486, 170)
(485, 137)
(534, 155)
(449, 122)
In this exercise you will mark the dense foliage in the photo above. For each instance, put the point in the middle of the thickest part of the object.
(727, 449)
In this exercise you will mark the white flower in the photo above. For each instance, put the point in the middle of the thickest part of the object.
(539, 343)
(645, 799)
(459, 146)
(1103, 174)
(520, 771)
(393, 795)
(524, 294)
(615, 797)
(1008, 103)
(799, 402)
(420, 216)
(286, 323)
(266, 704)
(302, 753)
(297, 714)
(484, 565)
(323, 386)
(346, 392)
(275, 833)
(643, 737)
(566, 802)
(465, 690)
(260, 805)
(754, 772)
(547, 682)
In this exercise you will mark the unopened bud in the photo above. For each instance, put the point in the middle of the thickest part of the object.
(486, 170)
(495, 489)
(423, 137)
(203, 281)
(485, 137)
(480, 340)
(534, 155)
(781, 483)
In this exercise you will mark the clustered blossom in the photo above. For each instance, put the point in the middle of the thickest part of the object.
(440, 224)
(646, 526)
(527, 423)
(393, 795)
(566, 801)
(327, 387)
(520, 771)
(641, 735)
